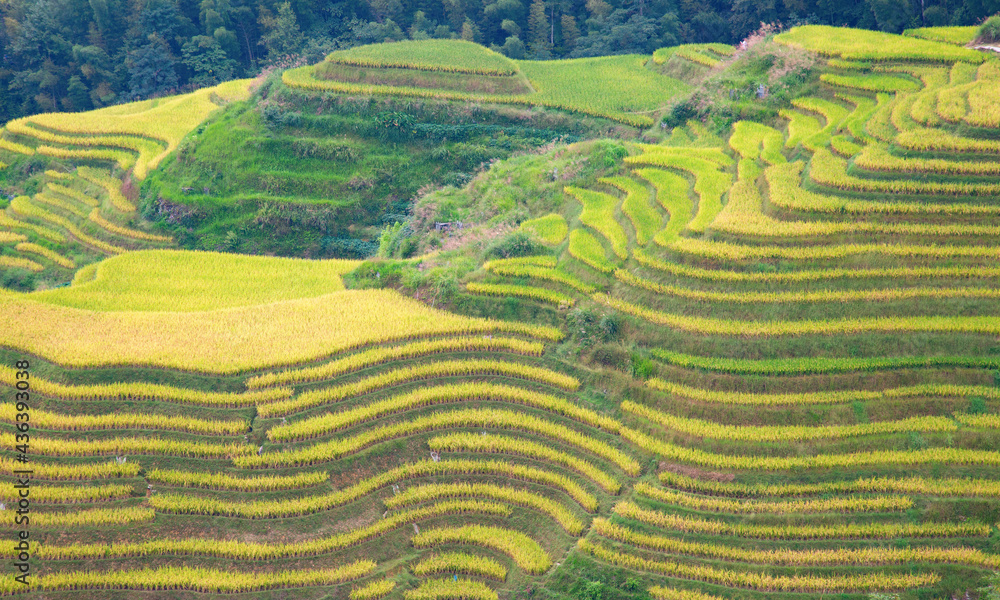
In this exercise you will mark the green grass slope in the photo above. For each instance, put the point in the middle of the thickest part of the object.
(620, 88)
(298, 175)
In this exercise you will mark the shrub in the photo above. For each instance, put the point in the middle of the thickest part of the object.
(456, 178)
(989, 31)
(20, 280)
(642, 368)
(348, 247)
(513, 47)
(581, 325)
(681, 112)
(517, 243)
(378, 273)
(326, 149)
(393, 126)
(273, 117)
(611, 356)
(917, 441)
(593, 590)
(610, 326)
(608, 154)
(991, 591)
(391, 240)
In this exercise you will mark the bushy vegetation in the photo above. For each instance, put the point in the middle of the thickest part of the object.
(322, 177)
(989, 31)
(762, 80)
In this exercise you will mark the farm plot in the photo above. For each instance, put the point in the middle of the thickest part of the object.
(773, 372)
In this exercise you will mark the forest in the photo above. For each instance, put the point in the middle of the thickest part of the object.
(75, 55)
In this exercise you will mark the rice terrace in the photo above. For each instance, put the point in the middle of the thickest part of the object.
(439, 318)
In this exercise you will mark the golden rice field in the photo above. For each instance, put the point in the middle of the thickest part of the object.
(86, 213)
(795, 303)
(765, 366)
(151, 128)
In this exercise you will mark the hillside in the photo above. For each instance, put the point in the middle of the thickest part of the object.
(728, 332)
(592, 86)
(76, 55)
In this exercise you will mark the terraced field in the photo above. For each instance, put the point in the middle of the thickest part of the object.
(319, 425)
(458, 70)
(803, 402)
(819, 303)
(84, 212)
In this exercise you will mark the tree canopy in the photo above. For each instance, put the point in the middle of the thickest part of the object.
(80, 54)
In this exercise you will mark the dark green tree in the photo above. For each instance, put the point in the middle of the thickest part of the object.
(78, 94)
(670, 30)
(373, 32)
(470, 32)
(213, 14)
(511, 27)
(105, 48)
(244, 22)
(207, 60)
(620, 33)
(513, 47)
(455, 13)
(570, 31)
(162, 19)
(422, 27)
(709, 26)
(98, 74)
(539, 30)
(385, 9)
(228, 41)
(891, 15)
(282, 36)
(151, 69)
(747, 15)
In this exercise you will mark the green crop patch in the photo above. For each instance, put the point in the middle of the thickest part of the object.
(860, 44)
(960, 36)
(475, 83)
(619, 88)
(450, 56)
